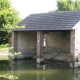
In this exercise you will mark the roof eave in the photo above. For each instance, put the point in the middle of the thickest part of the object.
(40, 29)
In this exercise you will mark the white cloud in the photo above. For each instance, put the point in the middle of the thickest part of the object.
(26, 7)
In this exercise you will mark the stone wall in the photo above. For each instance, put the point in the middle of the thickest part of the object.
(26, 41)
(72, 43)
(77, 43)
(58, 41)
(75, 47)
(4, 53)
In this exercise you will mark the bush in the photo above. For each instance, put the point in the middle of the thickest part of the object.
(4, 45)
(4, 36)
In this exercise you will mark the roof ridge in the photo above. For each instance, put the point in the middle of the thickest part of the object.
(56, 12)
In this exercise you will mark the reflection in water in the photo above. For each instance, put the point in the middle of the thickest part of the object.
(8, 76)
(29, 70)
(4, 66)
(5, 71)
(77, 74)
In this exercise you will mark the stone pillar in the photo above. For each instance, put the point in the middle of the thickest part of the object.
(15, 41)
(72, 48)
(46, 41)
(73, 51)
(40, 37)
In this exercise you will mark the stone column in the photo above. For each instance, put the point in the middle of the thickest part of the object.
(40, 37)
(15, 41)
(73, 57)
(46, 40)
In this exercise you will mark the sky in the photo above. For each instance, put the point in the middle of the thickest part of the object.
(27, 7)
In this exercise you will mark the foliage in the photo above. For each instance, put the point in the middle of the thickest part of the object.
(8, 16)
(9, 76)
(64, 5)
(14, 54)
(4, 35)
(4, 46)
(18, 27)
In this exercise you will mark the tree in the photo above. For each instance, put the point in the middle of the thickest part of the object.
(8, 19)
(8, 16)
(64, 5)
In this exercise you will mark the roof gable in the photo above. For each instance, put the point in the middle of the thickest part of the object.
(51, 21)
(76, 26)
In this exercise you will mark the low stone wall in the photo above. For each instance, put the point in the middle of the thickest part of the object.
(4, 52)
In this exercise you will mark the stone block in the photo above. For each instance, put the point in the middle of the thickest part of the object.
(76, 64)
(39, 60)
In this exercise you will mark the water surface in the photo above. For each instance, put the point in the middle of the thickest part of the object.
(29, 70)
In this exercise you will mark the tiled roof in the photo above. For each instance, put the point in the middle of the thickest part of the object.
(51, 21)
